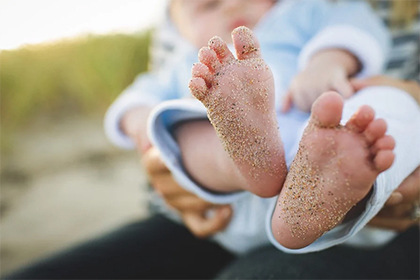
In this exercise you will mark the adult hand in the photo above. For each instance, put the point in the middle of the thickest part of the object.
(412, 87)
(193, 210)
(398, 210)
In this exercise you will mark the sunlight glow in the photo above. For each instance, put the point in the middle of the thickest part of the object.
(36, 21)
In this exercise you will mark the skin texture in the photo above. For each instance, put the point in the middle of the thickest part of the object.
(199, 143)
(317, 195)
(190, 207)
(393, 216)
(396, 213)
(239, 97)
(190, 18)
(134, 123)
(326, 70)
(193, 17)
(335, 167)
(412, 87)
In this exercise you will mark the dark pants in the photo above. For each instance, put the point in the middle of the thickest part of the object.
(160, 248)
(397, 260)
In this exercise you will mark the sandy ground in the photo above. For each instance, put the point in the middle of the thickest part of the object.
(64, 183)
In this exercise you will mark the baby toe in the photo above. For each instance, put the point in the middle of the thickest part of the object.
(375, 130)
(384, 159)
(209, 58)
(198, 88)
(200, 70)
(327, 109)
(361, 119)
(384, 143)
(245, 43)
(221, 49)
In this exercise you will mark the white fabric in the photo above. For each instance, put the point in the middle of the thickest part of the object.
(162, 118)
(352, 39)
(402, 115)
(283, 32)
(395, 106)
(290, 32)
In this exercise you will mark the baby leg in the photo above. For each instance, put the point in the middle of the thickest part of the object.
(239, 97)
(335, 167)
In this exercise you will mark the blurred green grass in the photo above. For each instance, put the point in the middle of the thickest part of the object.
(79, 76)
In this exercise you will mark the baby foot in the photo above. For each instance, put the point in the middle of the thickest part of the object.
(239, 97)
(334, 168)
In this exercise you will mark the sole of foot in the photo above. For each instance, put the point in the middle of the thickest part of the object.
(239, 96)
(334, 168)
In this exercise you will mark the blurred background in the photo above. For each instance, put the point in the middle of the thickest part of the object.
(62, 63)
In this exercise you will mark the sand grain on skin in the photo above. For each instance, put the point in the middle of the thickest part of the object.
(307, 206)
(245, 140)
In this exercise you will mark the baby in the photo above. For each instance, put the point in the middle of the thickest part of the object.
(244, 108)
(334, 168)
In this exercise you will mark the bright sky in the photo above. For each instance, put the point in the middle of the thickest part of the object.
(35, 21)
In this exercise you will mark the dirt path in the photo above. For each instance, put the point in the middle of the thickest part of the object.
(65, 184)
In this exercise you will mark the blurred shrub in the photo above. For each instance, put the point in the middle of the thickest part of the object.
(79, 76)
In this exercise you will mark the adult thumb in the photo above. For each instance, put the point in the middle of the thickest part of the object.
(410, 187)
(202, 226)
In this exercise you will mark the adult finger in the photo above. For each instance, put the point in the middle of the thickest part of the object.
(399, 225)
(412, 87)
(166, 186)
(408, 191)
(359, 84)
(202, 226)
(399, 211)
(407, 86)
(410, 187)
(153, 162)
(188, 203)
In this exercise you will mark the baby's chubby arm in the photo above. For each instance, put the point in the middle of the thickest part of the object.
(190, 207)
(205, 159)
(345, 27)
(328, 69)
(134, 125)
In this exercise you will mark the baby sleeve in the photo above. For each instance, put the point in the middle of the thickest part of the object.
(349, 25)
(161, 121)
(147, 90)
